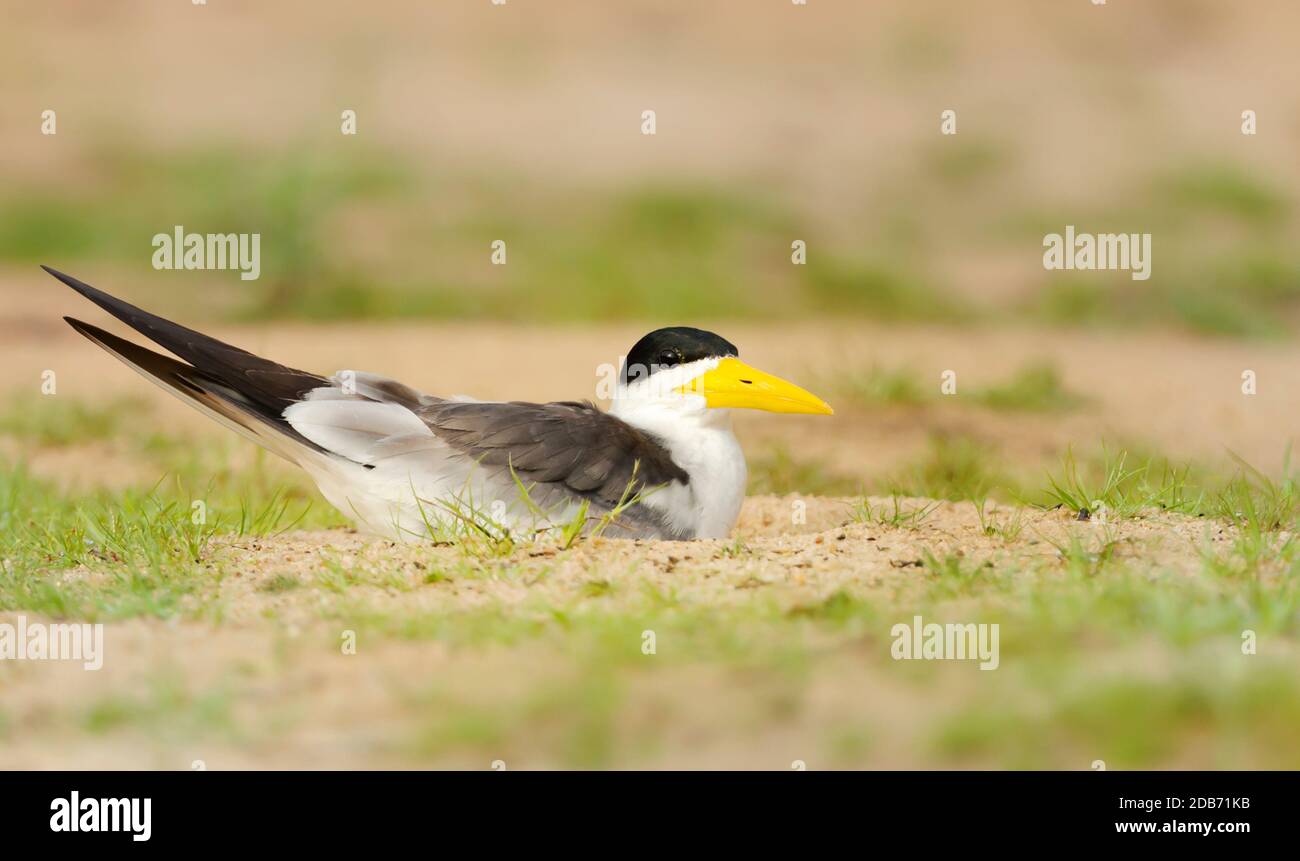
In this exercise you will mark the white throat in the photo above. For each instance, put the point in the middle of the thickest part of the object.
(700, 441)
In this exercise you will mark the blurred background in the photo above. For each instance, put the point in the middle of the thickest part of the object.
(776, 122)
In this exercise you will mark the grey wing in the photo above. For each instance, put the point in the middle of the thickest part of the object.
(569, 445)
(561, 452)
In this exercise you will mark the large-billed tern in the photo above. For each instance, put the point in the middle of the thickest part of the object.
(401, 463)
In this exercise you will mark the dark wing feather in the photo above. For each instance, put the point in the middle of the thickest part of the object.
(202, 390)
(268, 385)
(572, 443)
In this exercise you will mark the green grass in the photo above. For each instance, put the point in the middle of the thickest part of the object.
(1135, 723)
(151, 548)
(1005, 524)
(955, 468)
(1258, 503)
(1221, 263)
(1249, 290)
(1225, 189)
(1117, 485)
(1112, 493)
(1086, 557)
(351, 233)
(1106, 484)
(894, 513)
(54, 420)
(960, 160)
(355, 233)
(279, 583)
(780, 472)
(646, 253)
(1034, 388)
(880, 291)
(169, 706)
(879, 386)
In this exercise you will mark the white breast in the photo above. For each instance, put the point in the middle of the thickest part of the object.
(702, 443)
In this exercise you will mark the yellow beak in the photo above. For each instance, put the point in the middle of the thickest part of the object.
(736, 385)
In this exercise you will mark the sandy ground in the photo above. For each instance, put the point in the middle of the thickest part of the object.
(268, 687)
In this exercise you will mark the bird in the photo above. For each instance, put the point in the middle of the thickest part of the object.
(661, 463)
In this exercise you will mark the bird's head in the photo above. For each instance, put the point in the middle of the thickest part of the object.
(695, 369)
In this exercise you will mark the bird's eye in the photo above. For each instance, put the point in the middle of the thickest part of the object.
(669, 358)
